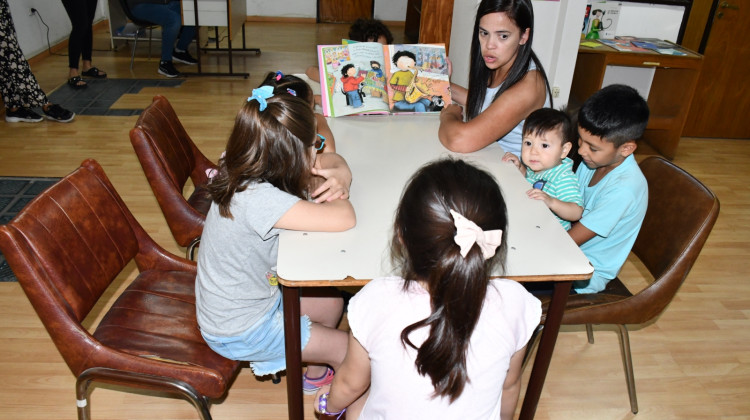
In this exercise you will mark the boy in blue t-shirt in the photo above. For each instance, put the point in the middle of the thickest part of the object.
(615, 192)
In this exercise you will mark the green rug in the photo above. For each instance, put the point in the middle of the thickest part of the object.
(101, 94)
(15, 193)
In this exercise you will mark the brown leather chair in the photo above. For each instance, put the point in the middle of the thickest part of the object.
(66, 247)
(681, 213)
(169, 157)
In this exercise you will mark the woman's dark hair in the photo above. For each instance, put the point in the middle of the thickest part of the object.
(369, 30)
(271, 146)
(424, 248)
(283, 83)
(346, 69)
(520, 12)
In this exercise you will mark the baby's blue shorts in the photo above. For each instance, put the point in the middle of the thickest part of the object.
(262, 344)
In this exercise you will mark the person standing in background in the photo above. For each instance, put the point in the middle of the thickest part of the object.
(81, 14)
(18, 86)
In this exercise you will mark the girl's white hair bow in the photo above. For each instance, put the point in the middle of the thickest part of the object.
(468, 234)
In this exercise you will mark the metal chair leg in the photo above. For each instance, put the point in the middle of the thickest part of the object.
(135, 44)
(628, 361)
(590, 333)
(200, 402)
(533, 341)
(190, 253)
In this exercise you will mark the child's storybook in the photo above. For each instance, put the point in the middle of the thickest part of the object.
(371, 78)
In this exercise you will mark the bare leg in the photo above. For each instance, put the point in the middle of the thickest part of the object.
(327, 345)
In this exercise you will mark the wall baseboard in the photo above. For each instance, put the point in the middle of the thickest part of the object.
(101, 25)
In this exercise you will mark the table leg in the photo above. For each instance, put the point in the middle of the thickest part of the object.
(546, 346)
(293, 348)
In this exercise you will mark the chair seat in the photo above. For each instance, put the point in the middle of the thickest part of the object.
(200, 200)
(614, 292)
(155, 318)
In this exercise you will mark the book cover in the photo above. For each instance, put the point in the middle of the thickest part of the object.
(370, 78)
(658, 45)
(622, 45)
(601, 19)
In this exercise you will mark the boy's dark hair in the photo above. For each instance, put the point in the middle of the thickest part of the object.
(544, 120)
(423, 245)
(522, 13)
(404, 53)
(616, 113)
(346, 69)
(283, 83)
(375, 62)
(369, 30)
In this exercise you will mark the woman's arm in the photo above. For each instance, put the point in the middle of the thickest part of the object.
(351, 380)
(513, 106)
(459, 94)
(512, 386)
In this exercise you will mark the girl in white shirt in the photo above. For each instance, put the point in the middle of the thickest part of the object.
(442, 340)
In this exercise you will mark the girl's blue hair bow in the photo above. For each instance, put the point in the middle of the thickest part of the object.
(261, 94)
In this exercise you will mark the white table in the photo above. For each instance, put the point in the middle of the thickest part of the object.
(383, 152)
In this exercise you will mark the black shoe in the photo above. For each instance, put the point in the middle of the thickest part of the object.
(22, 115)
(183, 57)
(57, 113)
(167, 68)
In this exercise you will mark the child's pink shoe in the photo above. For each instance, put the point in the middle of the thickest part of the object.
(311, 386)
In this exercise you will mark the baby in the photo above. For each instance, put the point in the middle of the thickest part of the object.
(547, 140)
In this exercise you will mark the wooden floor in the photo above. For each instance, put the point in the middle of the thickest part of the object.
(692, 363)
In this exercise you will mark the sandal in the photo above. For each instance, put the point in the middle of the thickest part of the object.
(77, 83)
(95, 73)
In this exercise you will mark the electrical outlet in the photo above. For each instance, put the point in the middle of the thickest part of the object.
(555, 92)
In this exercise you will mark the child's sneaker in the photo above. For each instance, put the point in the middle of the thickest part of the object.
(311, 386)
(183, 57)
(167, 68)
(22, 115)
(57, 113)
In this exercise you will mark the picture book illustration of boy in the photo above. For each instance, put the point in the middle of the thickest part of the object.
(351, 82)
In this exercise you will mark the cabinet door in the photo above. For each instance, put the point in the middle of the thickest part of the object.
(337, 11)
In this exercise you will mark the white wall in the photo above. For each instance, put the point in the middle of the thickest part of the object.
(32, 34)
(386, 10)
(557, 28)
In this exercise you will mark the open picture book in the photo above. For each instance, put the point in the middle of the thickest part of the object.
(371, 78)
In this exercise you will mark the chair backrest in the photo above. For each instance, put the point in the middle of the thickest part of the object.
(681, 213)
(66, 247)
(129, 15)
(169, 157)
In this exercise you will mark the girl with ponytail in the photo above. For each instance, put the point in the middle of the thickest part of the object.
(442, 340)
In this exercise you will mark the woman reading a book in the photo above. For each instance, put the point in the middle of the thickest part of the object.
(506, 81)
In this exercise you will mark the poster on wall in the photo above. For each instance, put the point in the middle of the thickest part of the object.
(600, 20)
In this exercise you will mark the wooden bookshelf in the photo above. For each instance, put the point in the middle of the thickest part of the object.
(669, 98)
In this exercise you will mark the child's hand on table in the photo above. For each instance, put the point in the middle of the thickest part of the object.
(510, 157)
(537, 194)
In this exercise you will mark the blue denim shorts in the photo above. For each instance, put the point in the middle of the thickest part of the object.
(262, 344)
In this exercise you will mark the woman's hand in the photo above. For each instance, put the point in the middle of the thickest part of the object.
(452, 111)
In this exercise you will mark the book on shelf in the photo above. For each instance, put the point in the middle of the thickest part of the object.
(600, 20)
(658, 45)
(370, 78)
(622, 45)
